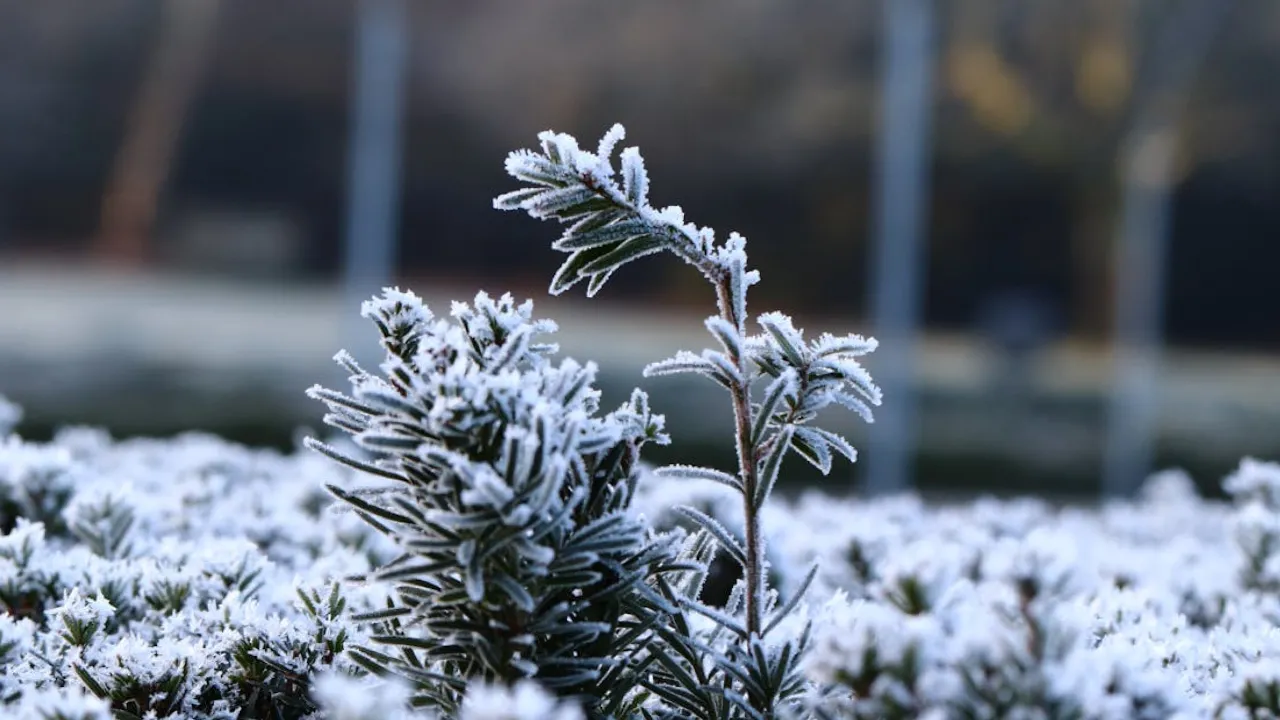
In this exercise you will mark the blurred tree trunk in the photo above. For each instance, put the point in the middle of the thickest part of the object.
(130, 203)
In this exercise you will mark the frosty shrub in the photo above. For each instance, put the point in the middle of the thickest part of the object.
(156, 579)
(219, 602)
(507, 494)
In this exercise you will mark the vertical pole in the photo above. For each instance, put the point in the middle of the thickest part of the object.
(373, 185)
(898, 263)
(1140, 259)
(1142, 241)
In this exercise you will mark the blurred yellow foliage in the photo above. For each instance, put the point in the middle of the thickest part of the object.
(993, 91)
(1103, 76)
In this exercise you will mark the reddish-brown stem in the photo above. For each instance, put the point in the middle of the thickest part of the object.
(741, 394)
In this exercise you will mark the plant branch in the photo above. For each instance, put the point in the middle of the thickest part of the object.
(740, 390)
(743, 420)
(610, 223)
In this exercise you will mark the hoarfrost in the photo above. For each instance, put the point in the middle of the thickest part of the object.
(1161, 607)
(526, 700)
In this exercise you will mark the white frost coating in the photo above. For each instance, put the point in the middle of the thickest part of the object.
(526, 700)
(1164, 606)
(402, 306)
(608, 142)
(62, 703)
(212, 522)
(1049, 558)
(345, 697)
(77, 608)
(1255, 480)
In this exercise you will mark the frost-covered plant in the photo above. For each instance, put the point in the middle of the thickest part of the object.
(61, 704)
(183, 579)
(345, 697)
(348, 697)
(220, 601)
(523, 701)
(510, 575)
(35, 483)
(736, 669)
(1255, 489)
(508, 497)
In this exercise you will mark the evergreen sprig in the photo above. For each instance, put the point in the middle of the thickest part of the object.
(509, 497)
(733, 671)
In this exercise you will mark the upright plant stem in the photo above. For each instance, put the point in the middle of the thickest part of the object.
(741, 394)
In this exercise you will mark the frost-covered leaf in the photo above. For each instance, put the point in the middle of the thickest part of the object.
(783, 387)
(700, 473)
(571, 271)
(827, 345)
(534, 168)
(771, 464)
(632, 249)
(788, 339)
(728, 542)
(734, 259)
(727, 334)
(560, 201)
(813, 448)
(858, 406)
(597, 282)
(612, 235)
(683, 362)
(609, 141)
(635, 178)
(725, 370)
(516, 199)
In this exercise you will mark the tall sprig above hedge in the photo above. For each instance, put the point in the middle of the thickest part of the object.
(509, 498)
(610, 223)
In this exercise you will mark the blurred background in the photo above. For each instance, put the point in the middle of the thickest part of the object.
(1060, 217)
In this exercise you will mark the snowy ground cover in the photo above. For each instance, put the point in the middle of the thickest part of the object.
(167, 578)
(1162, 607)
(186, 578)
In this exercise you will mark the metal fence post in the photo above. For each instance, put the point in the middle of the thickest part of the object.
(373, 185)
(898, 257)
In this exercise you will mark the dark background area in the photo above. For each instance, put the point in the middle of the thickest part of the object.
(757, 116)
